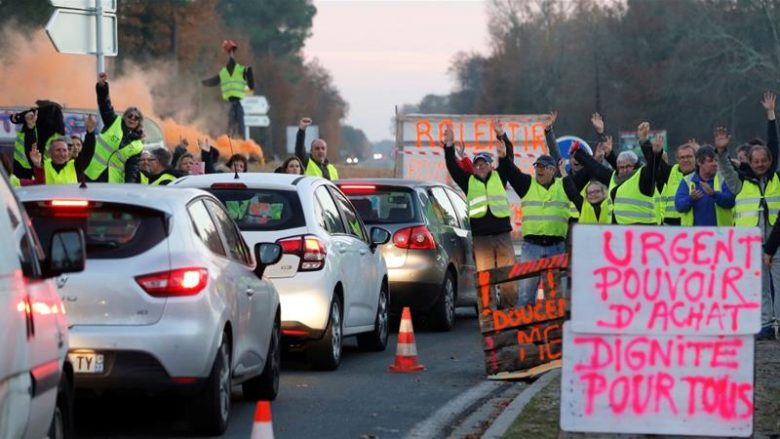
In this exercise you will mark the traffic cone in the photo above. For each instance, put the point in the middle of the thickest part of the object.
(406, 352)
(262, 428)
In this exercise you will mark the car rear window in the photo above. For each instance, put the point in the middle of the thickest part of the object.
(383, 205)
(262, 209)
(111, 230)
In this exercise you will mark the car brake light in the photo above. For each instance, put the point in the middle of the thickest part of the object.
(228, 186)
(174, 283)
(69, 203)
(310, 249)
(414, 238)
(360, 188)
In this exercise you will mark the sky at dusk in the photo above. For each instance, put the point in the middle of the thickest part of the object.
(387, 53)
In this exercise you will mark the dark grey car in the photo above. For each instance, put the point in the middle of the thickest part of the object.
(430, 260)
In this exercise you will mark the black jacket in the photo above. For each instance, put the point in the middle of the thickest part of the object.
(300, 152)
(108, 115)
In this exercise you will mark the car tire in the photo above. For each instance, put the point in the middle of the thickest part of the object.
(376, 340)
(62, 422)
(325, 353)
(212, 410)
(442, 316)
(266, 385)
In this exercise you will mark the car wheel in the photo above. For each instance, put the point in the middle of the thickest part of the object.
(212, 410)
(325, 354)
(443, 313)
(266, 385)
(62, 422)
(376, 340)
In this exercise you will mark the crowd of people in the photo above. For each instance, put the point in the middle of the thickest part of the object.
(706, 187)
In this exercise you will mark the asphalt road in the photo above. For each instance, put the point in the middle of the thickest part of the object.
(359, 400)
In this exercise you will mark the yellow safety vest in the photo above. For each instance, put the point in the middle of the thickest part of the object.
(748, 205)
(724, 217)
(666, 200)
(19, 153)
(107, 148)
(163, 178)
(491, 196)
(233, 86)
(314, 170)
(631, 206)
(143, 179)
(15, 182)
(66, 175)
(545, 211)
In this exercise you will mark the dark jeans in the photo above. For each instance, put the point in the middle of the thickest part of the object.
(236, 119)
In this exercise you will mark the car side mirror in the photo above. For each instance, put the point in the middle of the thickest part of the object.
(66, 253)
(379, 236)
(266, 254)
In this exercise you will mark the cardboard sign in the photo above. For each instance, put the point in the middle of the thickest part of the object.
(666, 280)
(657, 384)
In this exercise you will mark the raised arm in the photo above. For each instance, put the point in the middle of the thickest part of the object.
(107, 113)
(549, 136)
(507, 169)
(731, 176)
(768, 102)
(459, 176)
(88, 146)
(300, 138)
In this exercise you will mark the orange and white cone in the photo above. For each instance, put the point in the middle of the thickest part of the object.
(262, 428)
(406, 352)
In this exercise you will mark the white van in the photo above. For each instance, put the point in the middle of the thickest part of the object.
(36, 393)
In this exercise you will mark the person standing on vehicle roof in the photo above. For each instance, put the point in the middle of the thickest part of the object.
(488, 210)
(118, 147)
(233, 80)
(315, 163)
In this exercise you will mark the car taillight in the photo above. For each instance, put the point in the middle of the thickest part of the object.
(310, 249)
(175, 283)
(414, 238)
(68, 208)
(357, 188)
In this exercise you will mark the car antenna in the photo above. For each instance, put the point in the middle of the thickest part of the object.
(83, 184)
(235, 175)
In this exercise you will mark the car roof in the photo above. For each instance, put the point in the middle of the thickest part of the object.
(250, 179)
(163, 198)
(390, 182)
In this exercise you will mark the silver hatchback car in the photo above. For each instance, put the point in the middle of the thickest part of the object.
(171, 300)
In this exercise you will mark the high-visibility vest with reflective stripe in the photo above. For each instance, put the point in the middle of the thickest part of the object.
(588, 214)
(724, 217)
(666, 200)
(233, 86)
(19, 153)
(491, 196)
(106, 149)
(15, 182)
(143, 179)
(631, 206)
(545, 211)
(66, 175)
(748, 204)
(314, 170)
(163, 178)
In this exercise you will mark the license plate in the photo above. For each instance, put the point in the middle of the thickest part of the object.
(86, 362)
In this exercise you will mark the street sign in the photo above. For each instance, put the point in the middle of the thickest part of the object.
(73, 31)
(255, 105)
(109, 6)
(565, 143)
(256, 120)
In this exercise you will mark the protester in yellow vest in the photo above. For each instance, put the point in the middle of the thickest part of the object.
(119, 145)
(757, 205)
(703, 198)
(596, 207)
(315, 163)
(160, 172)
(669, 181)
(59, 167)
(234, 79)
(489, 212)
(40, 125)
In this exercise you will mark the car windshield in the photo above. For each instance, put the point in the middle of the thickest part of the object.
(384, 205)
(110, 230)
(262, 209)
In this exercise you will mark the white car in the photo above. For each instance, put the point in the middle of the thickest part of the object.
(171, 300)
(36, 379)
(331, 278)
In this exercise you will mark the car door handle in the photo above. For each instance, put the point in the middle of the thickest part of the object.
(250, 292)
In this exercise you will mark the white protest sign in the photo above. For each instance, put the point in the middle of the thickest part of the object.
(666, 280)
(657, 384)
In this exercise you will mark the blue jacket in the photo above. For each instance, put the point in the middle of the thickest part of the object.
(704, 207)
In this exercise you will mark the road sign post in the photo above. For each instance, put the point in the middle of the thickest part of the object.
(255, 113)
(84, 27)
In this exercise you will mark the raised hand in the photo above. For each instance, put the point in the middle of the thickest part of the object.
(203, 144)
(694, 143)
(550, 120)
(449, 137)
(35, 156)
(658, 144)
(304, 123)
(460, 148)
(90, 123)
(562, 168)
(498, 127)
(598, 122)
(102, 78)
(768, 102)
(607, 146)
(643, 131)
(30, 118)
(722, 139)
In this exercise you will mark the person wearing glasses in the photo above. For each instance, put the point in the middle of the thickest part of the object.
(160, 171)
(596, 206)
(119, 145)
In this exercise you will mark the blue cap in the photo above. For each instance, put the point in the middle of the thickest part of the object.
(484, 155)
(545, 160)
